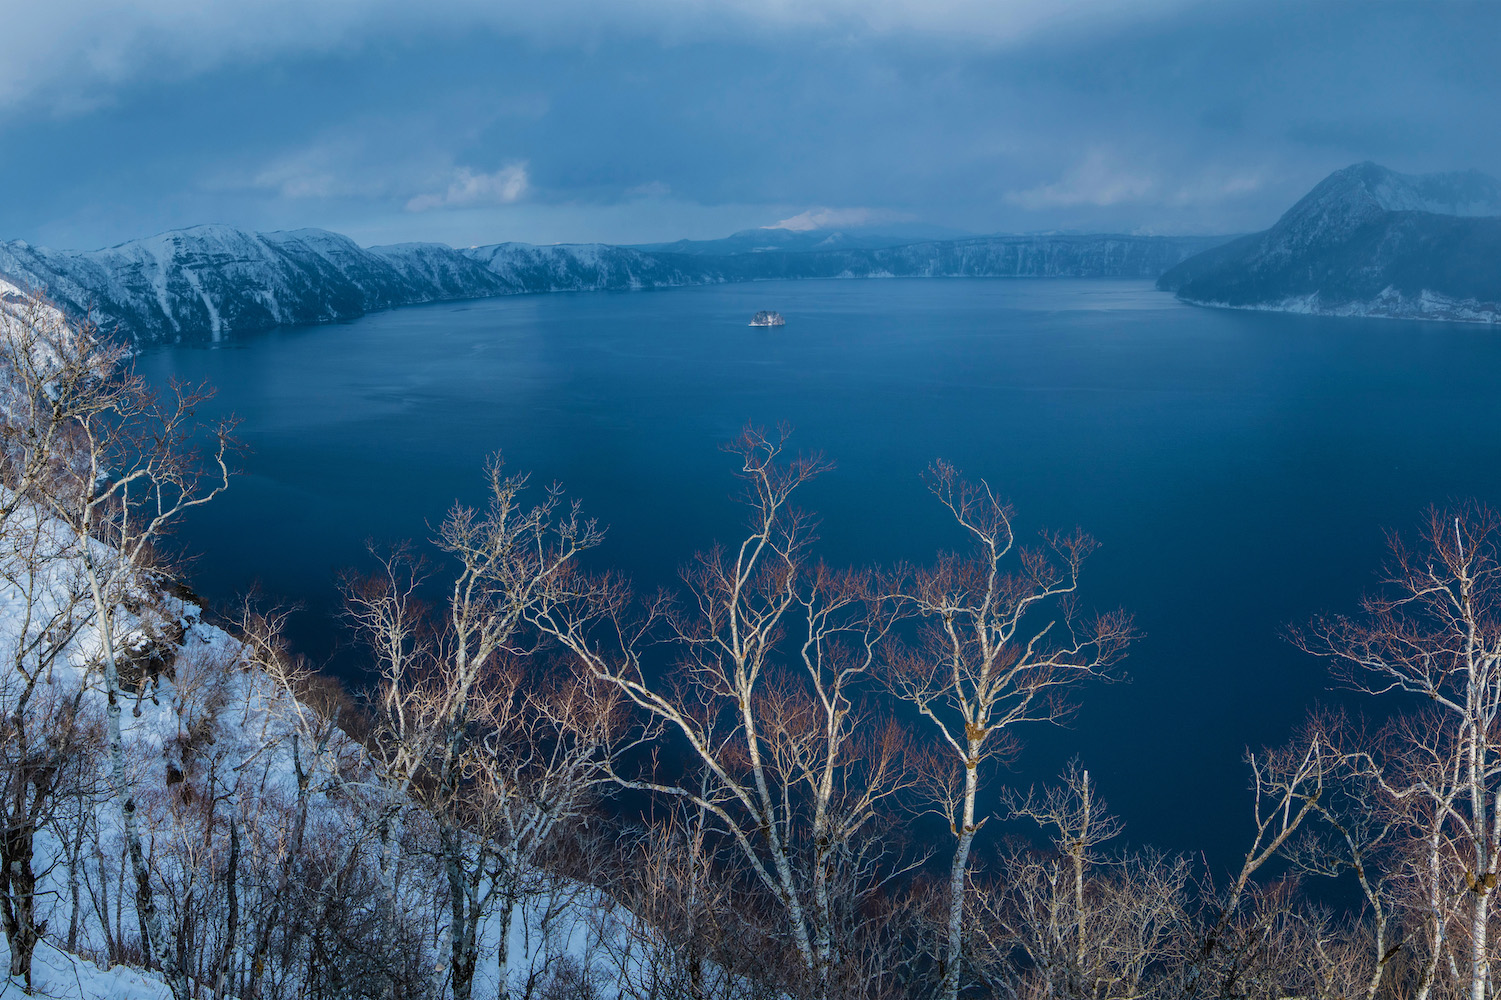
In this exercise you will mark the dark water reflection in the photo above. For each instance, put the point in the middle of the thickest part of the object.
(1239, 468)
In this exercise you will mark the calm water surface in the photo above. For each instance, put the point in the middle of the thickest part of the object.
(1238, 468)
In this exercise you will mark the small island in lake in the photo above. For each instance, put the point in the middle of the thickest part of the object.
(764, 318)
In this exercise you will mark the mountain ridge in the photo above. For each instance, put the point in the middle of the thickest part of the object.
(209, 282)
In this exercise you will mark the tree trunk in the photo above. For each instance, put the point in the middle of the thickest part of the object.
(153, 932)
(954, 955)
(1479, 966)
(504, 916)
(18, 900)
(229, 957)
(463, 944)
(75, 880)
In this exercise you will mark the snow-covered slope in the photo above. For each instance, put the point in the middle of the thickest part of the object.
(523, 267)
(1467, 193)
(214, 743)
(62, 975)
(204, 770)
(1366, 241)
(211, 282)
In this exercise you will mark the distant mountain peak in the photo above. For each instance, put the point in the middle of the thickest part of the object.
(1466, 193)
(1361, 190)
(1366, 240)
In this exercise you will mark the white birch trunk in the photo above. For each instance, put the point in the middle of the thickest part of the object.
(160, 942)
(953, 958)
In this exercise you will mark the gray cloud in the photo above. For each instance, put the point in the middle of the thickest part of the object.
(653, 119)
(467, 189)
(835, 218)
(70, 54)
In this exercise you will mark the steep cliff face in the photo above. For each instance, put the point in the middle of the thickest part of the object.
(208, 282)
(211, 282)
(435, 271)
(522, 267)
(1365, 241)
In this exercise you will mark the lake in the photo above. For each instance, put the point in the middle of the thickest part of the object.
(1239, 468)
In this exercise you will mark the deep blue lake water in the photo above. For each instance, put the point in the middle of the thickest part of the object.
(1239, 468)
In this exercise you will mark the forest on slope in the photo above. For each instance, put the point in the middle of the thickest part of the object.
(786, 780)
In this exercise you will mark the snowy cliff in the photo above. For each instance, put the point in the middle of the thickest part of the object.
(1367, 241)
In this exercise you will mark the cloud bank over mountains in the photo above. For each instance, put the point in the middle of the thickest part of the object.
(468, 122)
(70, 54)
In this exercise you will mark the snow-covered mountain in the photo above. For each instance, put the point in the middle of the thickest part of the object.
(1046, 256)
(1366, 241)
(211, 282)
(523, 267)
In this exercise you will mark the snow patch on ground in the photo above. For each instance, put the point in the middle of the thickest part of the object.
(1390, 304)
(212, 716)
(59, 975)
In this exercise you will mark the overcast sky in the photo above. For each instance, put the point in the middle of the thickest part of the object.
(476, 121)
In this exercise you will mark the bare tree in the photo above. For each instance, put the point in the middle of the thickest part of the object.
(677, 933)
(999, 647)
(51, 371)
(499, 757)
(766, 703)
(1358, 835)
(46, 729)
(321, 762)
(1434, 634)
(85, 442)
(545, 754)
(125, 467)
(1248, 922)
(387, 613)
(537, 754)
(47, 753)
(48, 369)
(1074, 922)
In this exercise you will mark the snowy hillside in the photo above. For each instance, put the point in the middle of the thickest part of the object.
(218, 742)
(1366, 241)
(522, 267)
(211, 282)
(63, 975)
(208, 282)
(186, 798)
(215, 742)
